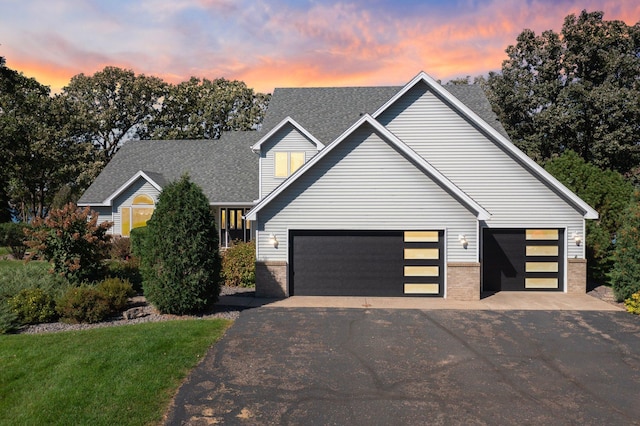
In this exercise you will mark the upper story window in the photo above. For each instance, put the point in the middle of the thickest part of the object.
(287, 163)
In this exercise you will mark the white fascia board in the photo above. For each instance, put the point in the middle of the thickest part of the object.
(480, 212)
(140, 174)
(288, 120)
(587, 211)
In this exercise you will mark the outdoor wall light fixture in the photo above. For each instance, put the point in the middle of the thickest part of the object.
(577, 238)
(273, 240)
(463, 240)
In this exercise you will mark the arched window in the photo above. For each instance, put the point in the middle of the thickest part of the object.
(142, 199)
(138, 214)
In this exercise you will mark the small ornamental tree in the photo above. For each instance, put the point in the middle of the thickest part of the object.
(625, 275)
(180, 260)
(72, 240)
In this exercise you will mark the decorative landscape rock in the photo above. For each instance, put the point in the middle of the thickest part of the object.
(133, 313)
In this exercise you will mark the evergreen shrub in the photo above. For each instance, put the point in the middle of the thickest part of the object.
(180, 260)
(625, 274)
(117, 292)
(609, 193)
(8, 318)
(126, 270)
(138, 237)
(239, 265)
(83, 304)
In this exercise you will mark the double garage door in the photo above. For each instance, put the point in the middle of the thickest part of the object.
(366, 263)
(411, 263)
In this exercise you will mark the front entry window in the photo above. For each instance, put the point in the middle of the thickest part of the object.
(233, 227)
(137, 215)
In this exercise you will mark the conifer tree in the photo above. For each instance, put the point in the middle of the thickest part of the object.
(180, 261)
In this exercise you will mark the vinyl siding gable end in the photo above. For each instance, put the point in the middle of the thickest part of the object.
(478, 165)
(365, 183)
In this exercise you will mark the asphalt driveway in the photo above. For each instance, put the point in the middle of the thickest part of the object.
(368, 367)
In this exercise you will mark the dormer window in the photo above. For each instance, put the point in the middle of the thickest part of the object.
(286, 163)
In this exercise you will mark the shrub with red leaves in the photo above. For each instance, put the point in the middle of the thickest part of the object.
(72, 240)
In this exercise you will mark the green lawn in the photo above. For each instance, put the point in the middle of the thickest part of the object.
(123, 375)
(14, 264)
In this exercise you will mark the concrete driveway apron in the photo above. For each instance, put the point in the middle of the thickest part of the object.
(319, 366)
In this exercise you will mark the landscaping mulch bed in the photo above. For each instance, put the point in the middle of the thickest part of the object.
(148, 314)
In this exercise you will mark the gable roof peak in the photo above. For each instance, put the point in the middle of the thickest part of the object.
(287, 120)
(420, 162)
(465, 111)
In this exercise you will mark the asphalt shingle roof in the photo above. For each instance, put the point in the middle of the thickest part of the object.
(326, 112)
(227, 169)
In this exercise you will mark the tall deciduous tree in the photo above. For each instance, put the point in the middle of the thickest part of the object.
(39, 156)
(203, 109)
(114, 105)
(577, 90)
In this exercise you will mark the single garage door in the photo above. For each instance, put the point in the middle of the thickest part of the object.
(366, 263)
(522, 259)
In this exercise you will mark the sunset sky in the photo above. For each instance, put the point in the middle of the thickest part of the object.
(282, 43)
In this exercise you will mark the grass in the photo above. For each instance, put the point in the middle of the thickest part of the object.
(35, 266)
(16, 275)
(123, 375)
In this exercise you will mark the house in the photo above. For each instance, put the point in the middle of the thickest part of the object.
(375, 191)
(126, 191)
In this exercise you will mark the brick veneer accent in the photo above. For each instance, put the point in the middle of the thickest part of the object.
(463, 281)
(577, 276)
(271, 279)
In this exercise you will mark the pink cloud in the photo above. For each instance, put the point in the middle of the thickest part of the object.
(271, 46)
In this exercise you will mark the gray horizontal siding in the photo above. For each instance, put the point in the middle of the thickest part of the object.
(104, 215)
(365, 184)
(287, 139)
(477, 165)
(140, 186)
